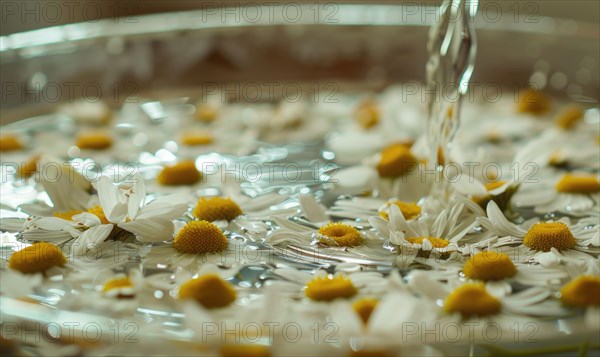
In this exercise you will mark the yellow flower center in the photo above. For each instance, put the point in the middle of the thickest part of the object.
(10, 143)
(533, 101)
(494, 185)
(396, 160)
(117, 283)
(199, 237)
(367, 115)
(197, 139)
(484, 200)
(488, 266)
(94, 141)
(37, 258)
(206, 113)
(183, 173)
(582, 291)
(364, 308)
(339, 234)
(569, 117)
(328, 289)
(216, 208)
(471, 299)
(435, 242)
(410, 210)
(578, 184)
(210, 290)
(544, 236)
(68, 215)
(98, 212)
(557, 159)
(30, 167)
(244, 350)
(440, 158)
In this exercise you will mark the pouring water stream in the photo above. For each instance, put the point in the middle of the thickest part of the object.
(452, 49)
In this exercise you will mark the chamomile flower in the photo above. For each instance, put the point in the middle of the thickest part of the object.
(199, 242)
(497, 271)
(540, 241)
(372, 323)
(210, 297)
(363, 208)
(319, 287)
(570, 193)
(435, 234)
(125, 206)
(584, 292)
(315, 233)
(482, 192)
(471, 304)
(401, 173)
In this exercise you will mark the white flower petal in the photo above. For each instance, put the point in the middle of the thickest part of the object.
(90, 239)
(52, 223)
(150, 230)
(312, 210)
(137, 196)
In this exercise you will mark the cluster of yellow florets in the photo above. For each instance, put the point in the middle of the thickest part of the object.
(328, 289)
(339, 234)
(545, 236)
(198, 237)
(37, 258)
(410, 210)
(583, 291)
(472, 299)
(435, 242)
(396, 160)
(182, 173)
(94, 141)
(210, 290)
(489, 266)
(216, 208)
(571, 183)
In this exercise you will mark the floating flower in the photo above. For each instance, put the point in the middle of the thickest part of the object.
(462, 303)
(544, 242)
(572, 193)
(436, 234)
(314, 233)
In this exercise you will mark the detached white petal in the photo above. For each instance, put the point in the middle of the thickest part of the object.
(313, 210)
(136, 197)
(503, 225)
(111, 200)
(87, 219)
(147, 231)
(468, 185)
(169, 207)
(52, 223)
(90, 238)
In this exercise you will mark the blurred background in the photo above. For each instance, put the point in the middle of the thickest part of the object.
(121, 54)
(18, 15)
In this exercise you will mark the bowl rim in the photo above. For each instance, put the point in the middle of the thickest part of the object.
(42, 41)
